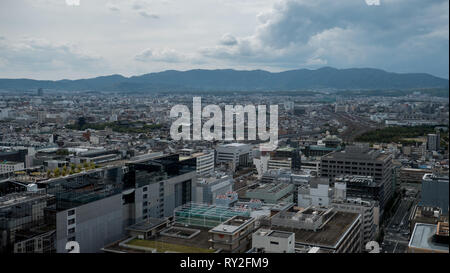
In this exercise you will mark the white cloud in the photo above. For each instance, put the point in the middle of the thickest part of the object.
(373, 2)
(73, 2)
(163, 55)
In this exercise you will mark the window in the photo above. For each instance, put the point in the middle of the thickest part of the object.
(144, 196)
(145, 189)
(71, 212)
(273, 243)
(72, 230)
(71, 222)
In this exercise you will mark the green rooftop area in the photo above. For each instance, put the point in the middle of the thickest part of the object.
(162, 247)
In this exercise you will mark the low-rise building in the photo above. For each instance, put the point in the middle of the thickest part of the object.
(271, 192)
(328, 229)
(273, 241)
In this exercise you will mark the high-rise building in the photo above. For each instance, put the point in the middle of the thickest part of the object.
(95, 207)
(360, 160)
(433, 142)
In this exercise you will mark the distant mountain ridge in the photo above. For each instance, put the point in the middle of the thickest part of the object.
(238, 80)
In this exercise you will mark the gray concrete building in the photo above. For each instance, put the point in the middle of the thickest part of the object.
(361, 160)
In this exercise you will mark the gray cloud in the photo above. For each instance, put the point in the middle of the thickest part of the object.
(228, 40)
(31, 55)
(146, 14)
(397, 34)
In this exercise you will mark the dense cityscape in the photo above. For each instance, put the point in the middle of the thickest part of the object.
(224, 135)
(102, 170)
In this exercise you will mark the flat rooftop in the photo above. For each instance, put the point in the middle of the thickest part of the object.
(330, 234)
(147, 225)
(422, 237)
(163, 243)
(280, 234)
(233, 225)
(19, 197)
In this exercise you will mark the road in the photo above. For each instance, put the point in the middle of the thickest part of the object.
(397, 231)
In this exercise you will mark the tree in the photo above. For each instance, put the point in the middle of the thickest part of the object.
(81, 123)
(56, 172)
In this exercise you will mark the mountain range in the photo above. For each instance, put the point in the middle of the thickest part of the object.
(236, 80)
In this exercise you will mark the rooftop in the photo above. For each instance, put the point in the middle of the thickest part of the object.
(233, 225)
(147, 225)
(199, 243)
(204, 215)
(422, 237)
(17, 198)
(329, 235)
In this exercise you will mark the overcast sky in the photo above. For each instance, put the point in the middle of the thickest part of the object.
(69, 39)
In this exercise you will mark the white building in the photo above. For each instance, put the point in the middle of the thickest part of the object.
(318, 193)
(212, 186)
(238, 154)
(273, 241)
(279, 163)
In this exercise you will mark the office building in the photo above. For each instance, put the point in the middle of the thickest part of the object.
(237, 154)
(360, 160)
(328, 229)
(205, 160)
(277, 163)
(273, 241)
(363, 187)
(368, 210)
(233, 235)
(10, 166)
(161, 184)
(212, 186)
(271, 193)
(316, 193)
(433, 142)
(24, 223)
(435, 192)
(412, 175)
